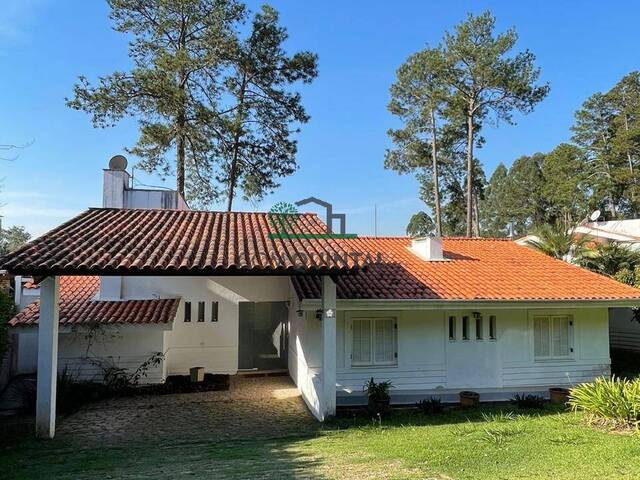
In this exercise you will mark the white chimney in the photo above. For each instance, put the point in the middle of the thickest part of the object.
(115, 182)
(427, 248)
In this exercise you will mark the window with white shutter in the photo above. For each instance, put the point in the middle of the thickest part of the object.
(373, 341)
(552, 336)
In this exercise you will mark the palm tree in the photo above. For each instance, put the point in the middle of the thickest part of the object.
(610, 258)
(557, 241)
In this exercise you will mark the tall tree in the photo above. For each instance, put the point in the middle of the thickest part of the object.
(417, 99)
(178, 49)
(420, 225)
(12, 239)
(494, 212)
(488, 80)
(564, 186)
(257, 145)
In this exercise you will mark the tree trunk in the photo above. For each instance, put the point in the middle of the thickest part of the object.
(180, 147)
(233, 172)
(470, 170)
(436, 186)
(476, 216)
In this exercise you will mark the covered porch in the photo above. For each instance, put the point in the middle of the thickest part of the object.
(109, 243)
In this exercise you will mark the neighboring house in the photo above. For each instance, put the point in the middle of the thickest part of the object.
(624, 329)
(224, 291)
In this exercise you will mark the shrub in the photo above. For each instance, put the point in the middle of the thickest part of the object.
(378, 396)
(7, 311)
(614, 401)
(529, 401)
(431, 406)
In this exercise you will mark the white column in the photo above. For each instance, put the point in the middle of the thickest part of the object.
(47, 357)
(328, 403)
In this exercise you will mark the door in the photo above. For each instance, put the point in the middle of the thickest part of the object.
(263, 336)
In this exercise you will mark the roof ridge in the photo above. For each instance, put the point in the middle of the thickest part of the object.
(200, 211)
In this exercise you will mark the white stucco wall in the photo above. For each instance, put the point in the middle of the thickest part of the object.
(212, 345)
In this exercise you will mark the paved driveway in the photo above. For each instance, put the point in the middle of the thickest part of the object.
(258, 407)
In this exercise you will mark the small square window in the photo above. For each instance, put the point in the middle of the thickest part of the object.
(479, 327)
(187, 311)
(452, 328)
(492, 327)
(465, 328)
(214, 311)
(200, 311)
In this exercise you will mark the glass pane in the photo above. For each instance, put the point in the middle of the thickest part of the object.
(465, 328)
(201, 311)
(187, 311)
(492, 327)
(560, 336)
(541, 336)
(452, 328)
(384, 348)
(479, 328)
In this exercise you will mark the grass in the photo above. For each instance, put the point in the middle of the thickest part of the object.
(488, 443)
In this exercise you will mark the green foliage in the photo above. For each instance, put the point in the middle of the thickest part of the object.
(612, 401)
(12, 239)
(7, 311)
(378, 396)
(528, 402)
(117, 378)
(558, 241)
(610, 258)
(218, 102)
(420, 225)
(431, 406)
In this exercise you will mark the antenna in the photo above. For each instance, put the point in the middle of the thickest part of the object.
(118, 162)
(375, 219)
(595, 216)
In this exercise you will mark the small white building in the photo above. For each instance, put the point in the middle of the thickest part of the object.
(230, 292)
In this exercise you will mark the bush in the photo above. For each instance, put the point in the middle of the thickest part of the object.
(614, 401)
(7, 311)
(430, 406)
(378, 396)
(528, 402)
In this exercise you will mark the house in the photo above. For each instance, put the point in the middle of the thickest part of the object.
(228, 291)
(624, 329)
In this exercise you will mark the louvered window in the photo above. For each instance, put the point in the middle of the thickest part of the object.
(374, 341)
(552, 336)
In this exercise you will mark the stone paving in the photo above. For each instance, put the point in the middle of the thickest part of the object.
(253, 407)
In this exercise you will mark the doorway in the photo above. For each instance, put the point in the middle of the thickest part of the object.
(263, 336)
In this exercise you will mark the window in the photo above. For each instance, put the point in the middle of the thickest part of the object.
(374, 341)
(479, 327)
(187, 311)
(214, 311)
(492, 327)
(465, 328)
(201, 311)
(452, 328)
(552, 336)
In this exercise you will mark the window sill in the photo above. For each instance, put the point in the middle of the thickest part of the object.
(554, 359)
(373, 365)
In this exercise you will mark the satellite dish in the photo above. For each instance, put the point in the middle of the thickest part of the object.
(595, 216)
(118, 162)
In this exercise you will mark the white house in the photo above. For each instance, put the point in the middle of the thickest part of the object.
(232, 291)
(624, 329)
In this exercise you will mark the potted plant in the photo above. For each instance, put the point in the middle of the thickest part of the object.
(559, 395)
(469, 399)
(378, 396)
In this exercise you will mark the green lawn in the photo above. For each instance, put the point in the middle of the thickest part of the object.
(459, 445)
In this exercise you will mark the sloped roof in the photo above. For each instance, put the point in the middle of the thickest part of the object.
(77, 307)
(476, 269)
(181, 242)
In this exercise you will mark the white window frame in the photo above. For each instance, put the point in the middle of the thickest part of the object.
(373, 362)
(570, 336)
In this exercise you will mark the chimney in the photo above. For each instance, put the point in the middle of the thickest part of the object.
(427, 248)
(115, 182)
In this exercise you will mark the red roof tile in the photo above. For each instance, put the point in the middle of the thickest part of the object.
(180, 242)
(478, 269)
(77, 306)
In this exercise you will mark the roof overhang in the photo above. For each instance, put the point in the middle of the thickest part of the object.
(438, 304)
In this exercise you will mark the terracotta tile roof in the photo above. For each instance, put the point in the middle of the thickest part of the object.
(478, 269)
(77, 306)
(179, 242)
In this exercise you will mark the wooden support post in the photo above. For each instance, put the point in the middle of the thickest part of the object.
(328, 403)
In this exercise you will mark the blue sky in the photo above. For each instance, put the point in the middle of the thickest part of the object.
(581, 46)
